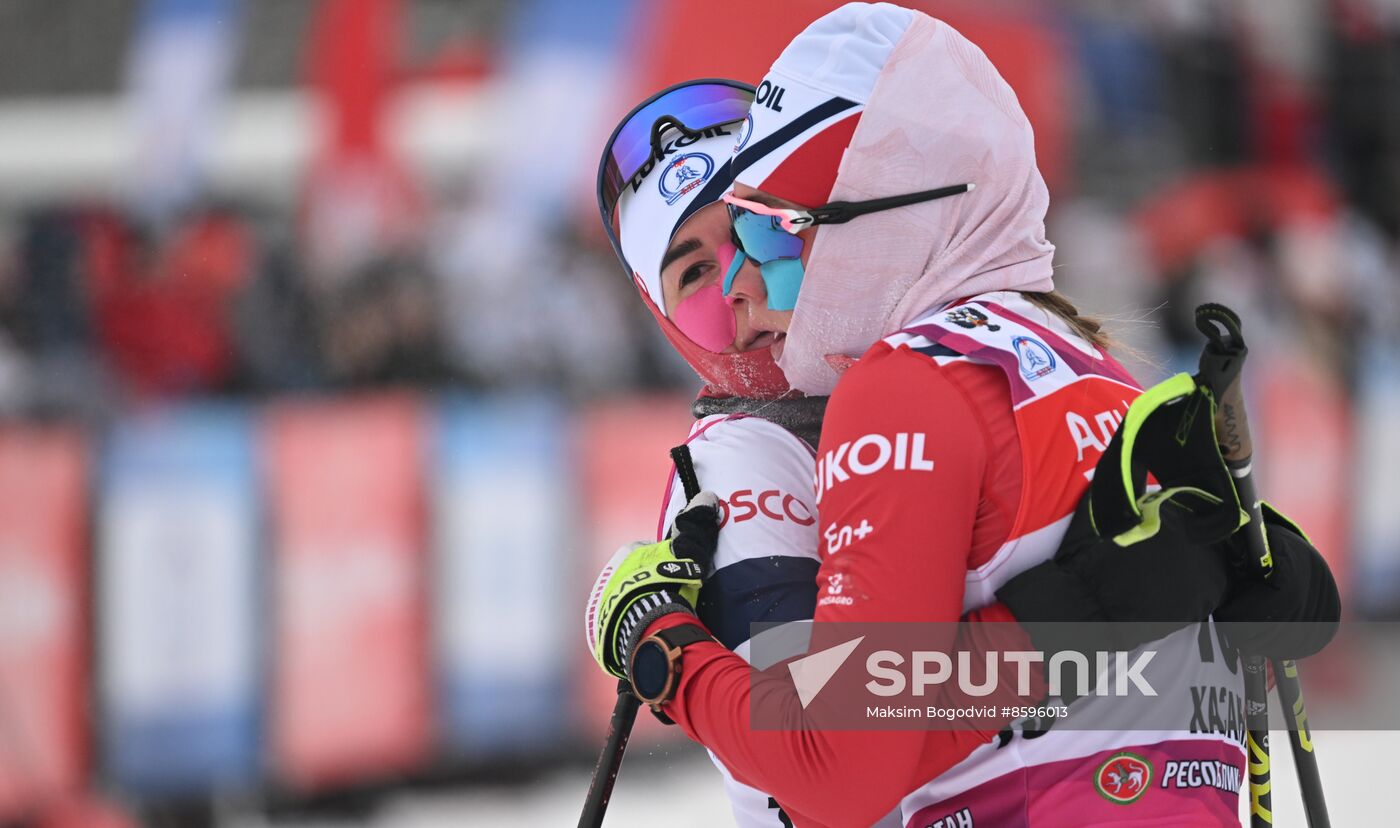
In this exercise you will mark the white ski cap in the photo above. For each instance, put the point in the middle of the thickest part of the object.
(808, 105)
(693, 174)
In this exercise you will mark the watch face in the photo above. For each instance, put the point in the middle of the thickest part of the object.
(649, 670)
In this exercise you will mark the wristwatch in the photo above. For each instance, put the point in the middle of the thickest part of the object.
(656, 663)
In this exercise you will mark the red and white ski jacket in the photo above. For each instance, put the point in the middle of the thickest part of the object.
(766, 562)
(1010, 412)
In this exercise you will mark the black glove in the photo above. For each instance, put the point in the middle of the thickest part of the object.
(1292, 614)
(1162, 583)
(695, 531)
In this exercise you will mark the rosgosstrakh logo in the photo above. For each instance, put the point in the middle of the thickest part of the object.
(1123, 778)
(683, 174)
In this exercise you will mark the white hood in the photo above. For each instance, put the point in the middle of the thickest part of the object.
(878, 100)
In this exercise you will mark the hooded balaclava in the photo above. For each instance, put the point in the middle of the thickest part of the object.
(693, 174)
(876, 100)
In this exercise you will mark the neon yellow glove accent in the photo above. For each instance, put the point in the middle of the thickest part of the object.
(639, 578)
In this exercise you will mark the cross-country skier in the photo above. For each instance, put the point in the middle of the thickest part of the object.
(668, 226)
(944, 298)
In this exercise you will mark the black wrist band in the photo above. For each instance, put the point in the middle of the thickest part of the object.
(640, 617)
(631, 624)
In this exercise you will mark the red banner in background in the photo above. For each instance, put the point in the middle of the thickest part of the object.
(1304, 449)
(677, 40)
(358, 199)
(44, 733)
(351, 697)
(624, 459)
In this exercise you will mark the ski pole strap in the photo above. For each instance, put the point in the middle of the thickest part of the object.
(1169, 432)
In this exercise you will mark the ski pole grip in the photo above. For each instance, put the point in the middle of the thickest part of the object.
(685, 468)
(1232, 427)
(1221, 362)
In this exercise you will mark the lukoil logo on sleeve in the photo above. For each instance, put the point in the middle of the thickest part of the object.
(869, 454)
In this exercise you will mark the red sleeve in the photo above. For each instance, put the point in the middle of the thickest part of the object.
(895, 537)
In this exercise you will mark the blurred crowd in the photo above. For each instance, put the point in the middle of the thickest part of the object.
(360, 274)
(1240, 149)
(1247, 152)
(101, 310)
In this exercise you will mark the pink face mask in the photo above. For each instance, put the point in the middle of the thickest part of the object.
(706, 316)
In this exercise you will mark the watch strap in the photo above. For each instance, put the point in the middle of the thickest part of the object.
(683, 635)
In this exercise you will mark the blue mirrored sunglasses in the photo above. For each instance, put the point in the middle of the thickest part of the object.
(690, 107)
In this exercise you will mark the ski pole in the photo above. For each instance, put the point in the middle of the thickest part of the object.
(1290, 693)
(1225, 344)
(610, 760)
(624, 714)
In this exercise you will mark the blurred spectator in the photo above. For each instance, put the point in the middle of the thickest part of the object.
(162, 305)
(382, 327)
(1204, 68)
(558, 313)
(51, 319)
(275, 317)
(14, 365)
(1363, 91)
